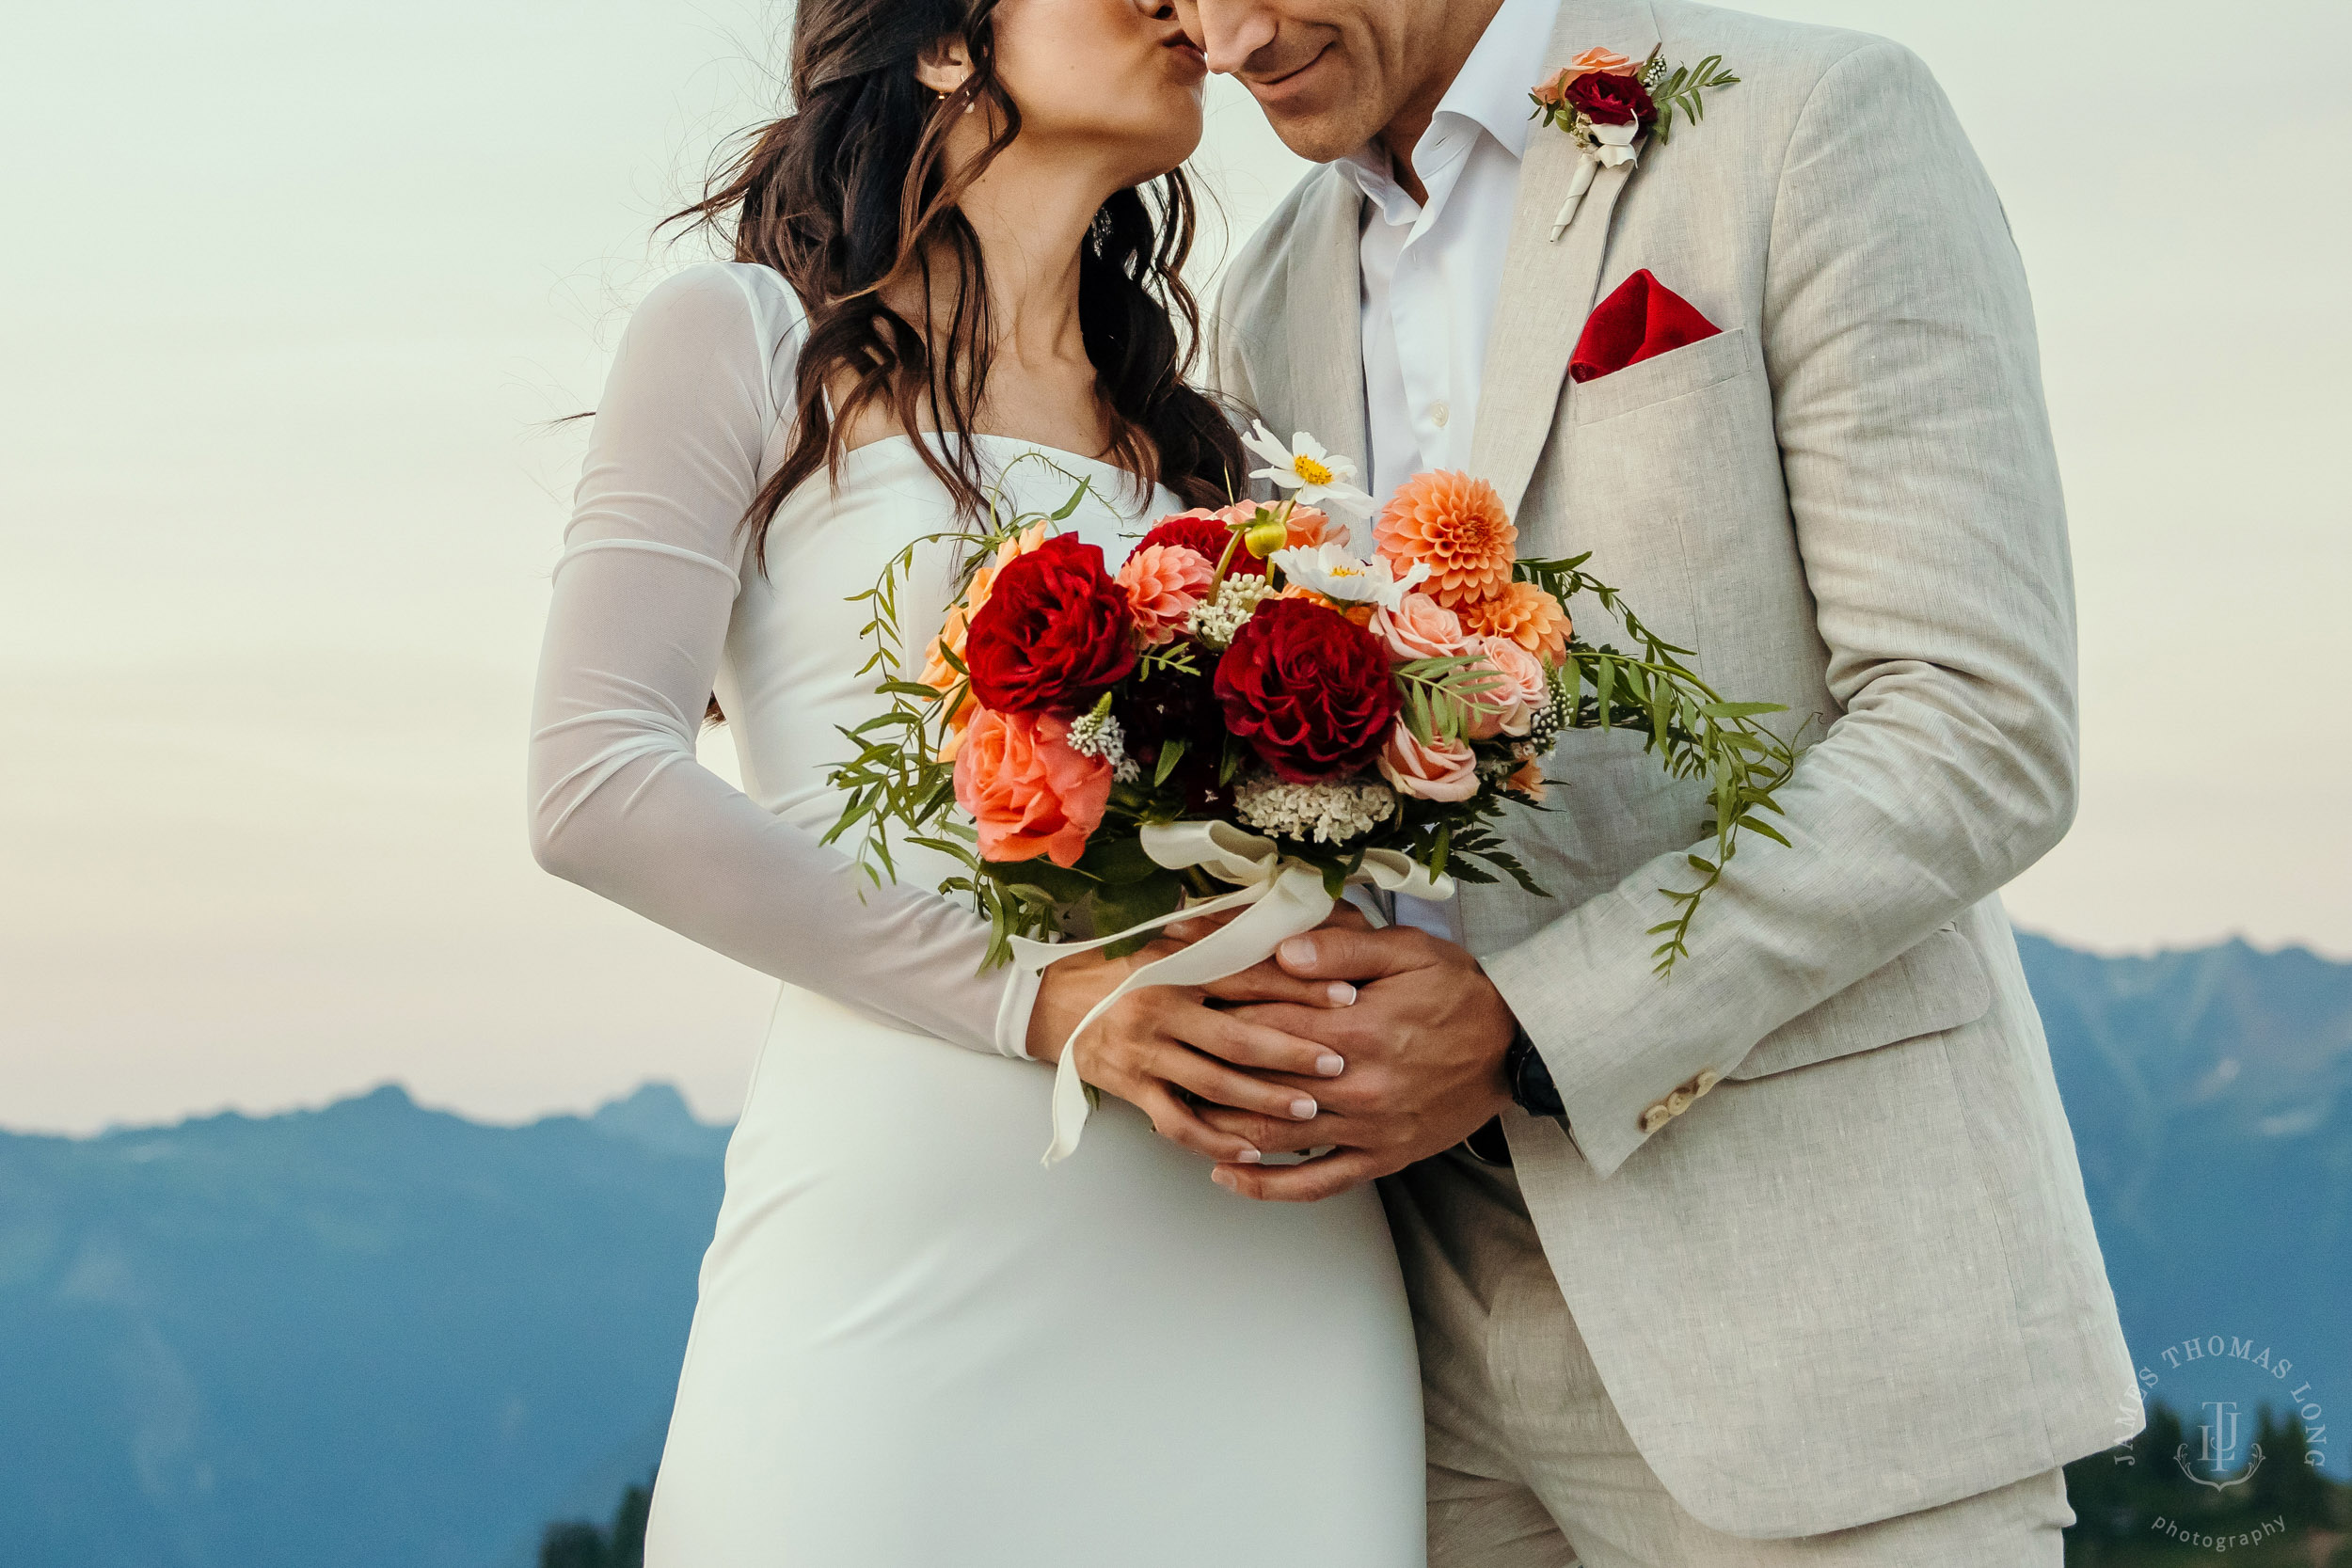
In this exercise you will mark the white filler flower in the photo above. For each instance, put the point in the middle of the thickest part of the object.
(1320, 477)
(1330, 813)
(1332, 571)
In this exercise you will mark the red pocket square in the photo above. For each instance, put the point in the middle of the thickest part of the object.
(1641, 318)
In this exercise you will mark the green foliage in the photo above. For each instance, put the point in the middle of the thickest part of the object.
(1694, 731)
(1680, 92)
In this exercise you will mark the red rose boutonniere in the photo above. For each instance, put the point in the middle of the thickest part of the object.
(1607, 105)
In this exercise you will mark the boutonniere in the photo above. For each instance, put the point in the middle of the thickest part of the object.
(1607, 109)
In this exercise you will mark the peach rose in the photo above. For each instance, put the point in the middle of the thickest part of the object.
(1445, 772)
(1030, 794)
(1520, 690)
(1419, 627)
(1164, 585)
(1528, 782)
(1553, 90)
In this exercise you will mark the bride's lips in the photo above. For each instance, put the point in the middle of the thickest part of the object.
(1193, 66)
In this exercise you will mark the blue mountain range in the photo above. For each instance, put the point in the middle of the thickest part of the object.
(377, 1335)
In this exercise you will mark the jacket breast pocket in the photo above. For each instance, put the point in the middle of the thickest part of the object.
(1694, 368)
(1938, 984)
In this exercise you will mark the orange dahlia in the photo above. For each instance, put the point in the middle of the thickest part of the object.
(1525, 614)
(1456, 525)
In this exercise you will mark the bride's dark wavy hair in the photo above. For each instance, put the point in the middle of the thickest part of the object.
(851, 193)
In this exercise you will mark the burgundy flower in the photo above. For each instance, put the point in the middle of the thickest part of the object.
(1308, 688)
(1606, 99)
(1055, 632)
(1208, 532)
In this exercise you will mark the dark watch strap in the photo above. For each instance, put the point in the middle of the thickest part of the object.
(1531, 1089)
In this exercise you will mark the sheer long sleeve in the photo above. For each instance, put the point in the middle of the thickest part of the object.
(643, 594)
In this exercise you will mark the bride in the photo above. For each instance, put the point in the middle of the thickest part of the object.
(956, 275)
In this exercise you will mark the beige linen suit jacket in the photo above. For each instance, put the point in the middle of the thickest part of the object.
(1815, 1207)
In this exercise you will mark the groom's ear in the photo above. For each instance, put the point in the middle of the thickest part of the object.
(946, 66)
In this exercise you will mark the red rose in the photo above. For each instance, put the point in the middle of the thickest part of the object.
(1609, 100)
(1206, 531)
(1309, 690)
(1055, 632)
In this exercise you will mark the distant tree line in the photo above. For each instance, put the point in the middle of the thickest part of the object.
(578, 1543)
(2134, 1507)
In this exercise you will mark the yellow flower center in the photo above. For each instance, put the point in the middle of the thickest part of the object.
(1311, 470)
(1347, 570)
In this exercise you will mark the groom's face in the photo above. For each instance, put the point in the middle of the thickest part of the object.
(1328, 74)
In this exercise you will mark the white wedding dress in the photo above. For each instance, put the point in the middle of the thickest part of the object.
(915, 1347)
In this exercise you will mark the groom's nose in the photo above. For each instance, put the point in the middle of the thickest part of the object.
(1228, 31)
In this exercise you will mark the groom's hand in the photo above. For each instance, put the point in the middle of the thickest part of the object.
(1424, 1043)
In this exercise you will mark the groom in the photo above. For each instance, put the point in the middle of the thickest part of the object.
(1783, 1259)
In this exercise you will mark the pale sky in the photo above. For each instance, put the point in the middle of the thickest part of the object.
(291, 290)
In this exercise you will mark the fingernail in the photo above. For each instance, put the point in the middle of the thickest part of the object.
(1343, 994)
(1330, 1064)
(1303, 1108)
(1298, 953)
(1222, 1178)
(1248, 1157)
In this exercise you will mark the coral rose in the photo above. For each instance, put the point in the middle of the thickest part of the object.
(1527, 781)
(1525, 614)
(1055, 630)
(1456, 525)
(1419, 627)
(1028, 791)
(1307, 690)
(1164, 584)
(1520, 690)
(1445, 772)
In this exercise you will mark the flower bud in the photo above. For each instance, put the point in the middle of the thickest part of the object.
(1265, 534)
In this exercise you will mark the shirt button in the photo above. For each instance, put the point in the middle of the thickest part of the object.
(1440, 412)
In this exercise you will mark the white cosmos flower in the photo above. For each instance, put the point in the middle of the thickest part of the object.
(1331, 571)
(1319, 476)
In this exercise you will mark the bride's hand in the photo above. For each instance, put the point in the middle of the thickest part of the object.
(1160, 1044)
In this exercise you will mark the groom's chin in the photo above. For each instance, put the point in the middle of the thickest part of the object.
(1317, 112)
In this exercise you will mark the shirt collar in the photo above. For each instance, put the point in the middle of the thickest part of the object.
(1488, 93)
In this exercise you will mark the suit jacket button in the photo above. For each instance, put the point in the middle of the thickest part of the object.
(1655, 1118)
(1708, 1080)
(1677, 1102)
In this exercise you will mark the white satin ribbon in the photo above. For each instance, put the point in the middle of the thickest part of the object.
(1280, 897)
(1616, 147)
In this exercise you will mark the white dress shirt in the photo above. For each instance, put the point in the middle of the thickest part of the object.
(1432, 272)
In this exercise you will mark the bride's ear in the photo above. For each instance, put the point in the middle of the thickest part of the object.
(945, 66)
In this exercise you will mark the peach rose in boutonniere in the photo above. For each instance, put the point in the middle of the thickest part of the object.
(1553, 91)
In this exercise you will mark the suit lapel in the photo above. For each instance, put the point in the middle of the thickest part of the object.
(1325, 354)
(1547, 287)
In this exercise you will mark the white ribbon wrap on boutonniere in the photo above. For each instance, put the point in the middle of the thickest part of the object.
(1280, 897)
(1615, 145)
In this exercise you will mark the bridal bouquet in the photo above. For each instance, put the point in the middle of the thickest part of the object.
(1246, 715)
